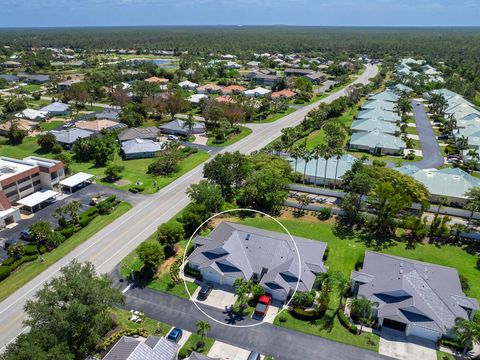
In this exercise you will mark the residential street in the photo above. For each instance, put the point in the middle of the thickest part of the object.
(283, 344)
(432, 154)
(110, 245)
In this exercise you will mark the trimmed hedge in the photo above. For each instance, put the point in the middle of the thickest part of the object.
(112, 340)
(302, 314)
(346, 322)
(67, 231)
(23, 260)
(4, 272)
(136, 189)
(195, 273)
(454, 344)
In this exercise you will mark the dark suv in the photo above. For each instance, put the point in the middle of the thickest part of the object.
(204, 291)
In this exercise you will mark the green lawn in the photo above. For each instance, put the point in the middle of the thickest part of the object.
(28, 271)
(50, 125)
(192, 344)
(134, 169)
(244, 132)
(346, 248)
(276, 116)
(165, 284)
(444, 356)
(29, 88)
(412, 130)
(150, 325)
(394, 159)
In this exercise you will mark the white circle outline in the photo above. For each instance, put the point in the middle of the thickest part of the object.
(267, 320)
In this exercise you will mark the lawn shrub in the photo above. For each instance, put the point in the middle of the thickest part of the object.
(4, 272)
(454, 344)
(359, 262)
(136, 189)
(191, 272)
(305, 314)
(324, 213)
(325, 254)
(31, 249)
(112, 340)
(67, 232)
(23, 260)
(346, 322)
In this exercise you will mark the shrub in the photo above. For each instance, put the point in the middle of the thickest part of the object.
(67, 231)
(116, 336)
(379, 163)
(4, 272)
(325, 254)
(346, 322)
(324, 213)
(23, 260)
(191, 272)
(359, 262)
(31, 249)
(305, 314)
(282, 318)
(464, 283)
(8, 262)
(454, 344)
(136, 189)
(478, 263)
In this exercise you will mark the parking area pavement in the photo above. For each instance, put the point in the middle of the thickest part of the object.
(220, 297)
(83, 195)
(396, 345)
(225, 351)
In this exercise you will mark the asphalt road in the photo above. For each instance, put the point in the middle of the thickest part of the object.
(432, 154)
(282, 343)
(110, 245)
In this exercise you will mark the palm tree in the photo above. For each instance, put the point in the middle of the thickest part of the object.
(466, 332)
(295, 153)
(473, 201)
(326, 154)
(316, 154)
(203, 328)
(307, 156)
(362, 309)
(242, 289)
(442, 200)
(189, 123)
(72, 209)
(339, 153)
(472, 159)
(461, 142)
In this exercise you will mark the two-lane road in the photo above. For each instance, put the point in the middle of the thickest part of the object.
(110, 245)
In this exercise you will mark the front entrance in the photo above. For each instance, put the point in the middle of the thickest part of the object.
(396, 325)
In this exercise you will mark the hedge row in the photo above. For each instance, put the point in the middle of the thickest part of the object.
(112, 340)
(454, 344)
(346, 322)
(195, 273)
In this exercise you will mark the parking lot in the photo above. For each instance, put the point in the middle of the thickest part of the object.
(83, 195)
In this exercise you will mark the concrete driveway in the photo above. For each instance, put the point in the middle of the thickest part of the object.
(220, 297)
(227, 352)
(396, 345)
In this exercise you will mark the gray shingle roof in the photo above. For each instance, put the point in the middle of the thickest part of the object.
(56, 107)
(153, 348)
(410, 291)
(377, 139)
(137, 146)
(179, 126)
(197, 356)
(139, 133)
(237, 250)
(69, 136)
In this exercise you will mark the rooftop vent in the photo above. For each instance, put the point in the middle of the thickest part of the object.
(247, 237)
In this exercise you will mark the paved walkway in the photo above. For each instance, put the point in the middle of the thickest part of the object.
(282, 343)
(432, 155)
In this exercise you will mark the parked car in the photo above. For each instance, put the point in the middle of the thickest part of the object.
(25, 234)
(51, 200)
(254, 356)
(263, 304)
(443, 137)
(175, 335)
(204, 291)
(172, 137)
(68, 125)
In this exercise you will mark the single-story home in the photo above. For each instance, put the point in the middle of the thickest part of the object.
(417, 298)
(32, 115)
(297, 72)
(257, 92)
(67, 137)
(376, 142)
(196, 98)
(386, 95)
(233, 89)
(315, 172)
(374, 124)
(451, 183)
(379, 104)
(232, 65)
(34, 79)
(401, 89)
(188, 85)
(284, 94)
(57, 109)
(261, 78)
(209, 89)
(151, 348)
(140, 148)
(9, 77)
(269, 258)
(379, 114)
(147, 133)
(67, 84)
(99, 125)
(25, 125)
(157, 80)
(316, 77)
(105, 114)
(180, 127)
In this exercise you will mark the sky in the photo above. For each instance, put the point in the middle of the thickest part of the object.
(53, 13)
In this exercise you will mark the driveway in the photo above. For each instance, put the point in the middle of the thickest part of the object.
(219, 297)
(432, 155)
(224, 351)
(396, 345)
(282, 343)
(83, 195)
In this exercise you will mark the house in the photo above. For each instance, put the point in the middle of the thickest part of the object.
(401, 89)
(315, 171)
(151, 348)
(32, 115)
(316, 77)
(188, 85)
(186, 116)
(379, 114)
(375, 124)
(105, 114)
(34, 79)
(233, 89)
(417, 298)
(9, 78)
(67, 137)
(257, 92)
(253, 64)
(261, 78)
(379, 104)
(387, 96)
(27, 126)
(11, 64)
(140, 149)
(99, 125)
(147, 133)
(225, 99)
(196, 98)
(233, 251)
(232, 65)
(297, 72)
(376, 142)
(57, 109)
(284, 94)
(197, 356)
(157, 80)
(180, 127)
(21, 178)
(448, 183)
(67, 84)
(209, 89)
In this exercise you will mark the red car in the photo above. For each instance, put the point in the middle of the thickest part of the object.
(263, 305)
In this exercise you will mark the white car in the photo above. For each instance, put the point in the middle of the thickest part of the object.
(172, 137)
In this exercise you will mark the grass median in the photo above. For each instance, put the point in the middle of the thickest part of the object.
(27, 272)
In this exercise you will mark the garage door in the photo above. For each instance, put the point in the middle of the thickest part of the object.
(392, 324)
(212, 277)
(423, 333)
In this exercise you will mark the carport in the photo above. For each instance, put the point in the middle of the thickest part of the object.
(76, 182)
(34, 202)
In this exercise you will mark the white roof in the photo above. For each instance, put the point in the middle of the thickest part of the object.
(37, 198)
(257, 91)
(76, 179)
(32, 114)
(195, 98)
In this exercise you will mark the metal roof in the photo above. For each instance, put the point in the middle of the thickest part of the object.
(76, 179)
(37, 198)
